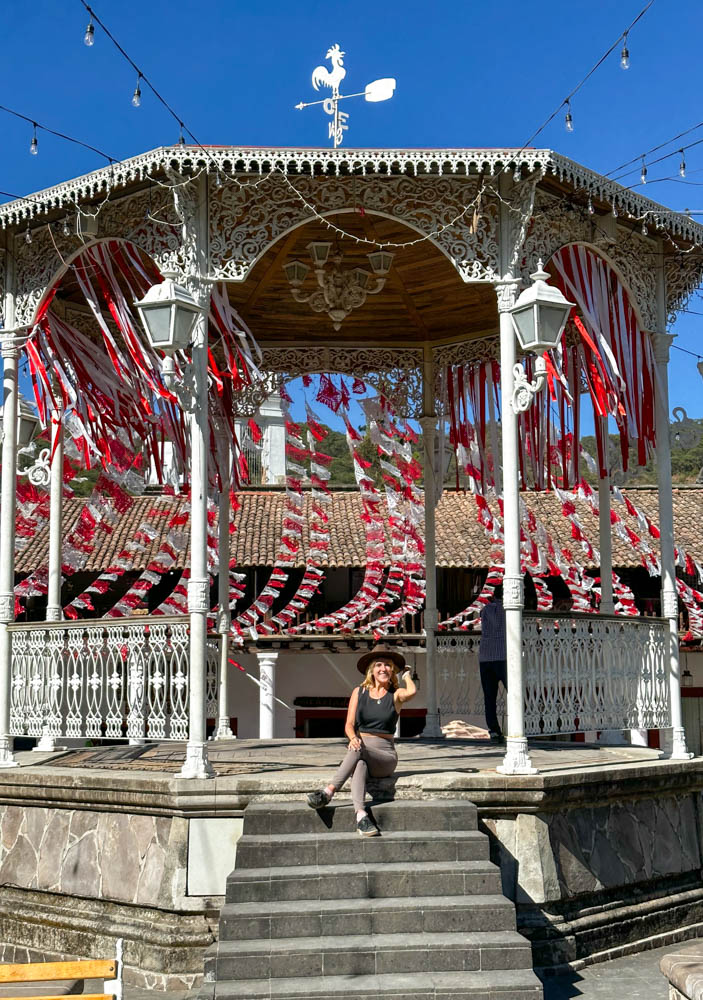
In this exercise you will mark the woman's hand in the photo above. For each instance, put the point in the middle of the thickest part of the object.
(355, 743)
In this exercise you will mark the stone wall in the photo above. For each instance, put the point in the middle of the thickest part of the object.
(596, 877)
(103, 855)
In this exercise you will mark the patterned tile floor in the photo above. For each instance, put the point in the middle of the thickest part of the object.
(281, 757)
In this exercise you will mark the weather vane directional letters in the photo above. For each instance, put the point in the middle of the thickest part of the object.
(378, 90)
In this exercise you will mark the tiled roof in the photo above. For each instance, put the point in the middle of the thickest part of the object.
(461, 541)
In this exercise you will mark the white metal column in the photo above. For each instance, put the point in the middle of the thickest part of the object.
(224, 618)
(428, 423)
(517, 758)
(196, 764)
(605, 537)
(669, 598)
(8, 504)
(53, 607)
(267, 692)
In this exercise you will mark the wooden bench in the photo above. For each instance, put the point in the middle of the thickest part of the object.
(109, 970)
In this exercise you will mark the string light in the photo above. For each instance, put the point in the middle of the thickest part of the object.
(682, 165)
(34, 145)
(568, 120)
(137, 95)
(89, 37)
(625, 54)
(591, 209)
(644, 228)
(614, 211)
(66, 227)
(643, 174)
(28, 235)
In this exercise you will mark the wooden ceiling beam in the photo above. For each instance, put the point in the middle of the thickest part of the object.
(271, 271)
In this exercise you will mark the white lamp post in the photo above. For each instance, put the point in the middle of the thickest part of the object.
(168, 313)
(537, 318)
(174, 320)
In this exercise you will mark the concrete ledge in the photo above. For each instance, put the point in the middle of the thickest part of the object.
(163, 950)
(684, 970)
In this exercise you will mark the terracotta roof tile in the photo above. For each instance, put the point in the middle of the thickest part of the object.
(461, 541)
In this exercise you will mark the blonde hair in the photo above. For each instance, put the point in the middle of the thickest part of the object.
(368, 679)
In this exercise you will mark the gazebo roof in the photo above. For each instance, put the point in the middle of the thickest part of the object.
(133, 173)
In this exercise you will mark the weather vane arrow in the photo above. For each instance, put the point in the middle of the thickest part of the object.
(377, 90)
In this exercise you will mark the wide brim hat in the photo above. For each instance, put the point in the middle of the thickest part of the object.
(373, 654)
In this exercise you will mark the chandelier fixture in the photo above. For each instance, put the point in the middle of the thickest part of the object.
(339, 290)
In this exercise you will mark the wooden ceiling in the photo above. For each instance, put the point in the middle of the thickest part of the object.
(424, 299)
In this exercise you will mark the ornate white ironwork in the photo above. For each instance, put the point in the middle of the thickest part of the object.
(524, 390)
(116, 679)
(588, 672)
(246, 221)
(594, 672)
(459, 683)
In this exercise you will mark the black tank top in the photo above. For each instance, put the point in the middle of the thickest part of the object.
(374, 716)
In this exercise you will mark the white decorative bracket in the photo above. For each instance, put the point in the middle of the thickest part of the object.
(39, 473)
(685, 432)
(525, 391)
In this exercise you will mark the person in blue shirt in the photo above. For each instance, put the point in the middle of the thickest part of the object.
(492, 658)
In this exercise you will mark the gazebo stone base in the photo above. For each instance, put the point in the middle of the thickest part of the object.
(600, 850)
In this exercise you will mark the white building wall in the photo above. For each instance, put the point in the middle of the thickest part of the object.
(306, 673)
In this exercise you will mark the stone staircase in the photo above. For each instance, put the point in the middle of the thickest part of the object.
(314, 911)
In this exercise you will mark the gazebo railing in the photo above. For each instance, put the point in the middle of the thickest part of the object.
(582, 673)
(123, 678)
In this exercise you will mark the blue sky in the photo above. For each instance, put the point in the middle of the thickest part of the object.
(469, 74)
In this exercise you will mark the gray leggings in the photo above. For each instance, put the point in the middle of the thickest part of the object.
(377, 757)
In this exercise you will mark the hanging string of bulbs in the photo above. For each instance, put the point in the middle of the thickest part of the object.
(89, 39)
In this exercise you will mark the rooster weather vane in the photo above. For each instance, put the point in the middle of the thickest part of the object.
(378, 90)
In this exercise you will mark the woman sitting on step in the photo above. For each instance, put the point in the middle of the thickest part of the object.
(371, 721)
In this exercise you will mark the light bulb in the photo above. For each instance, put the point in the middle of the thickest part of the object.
(614, 211)
(66, 227)
(625, 54)
(89, 37)
(644, 228)
(590, 205)
(568, 120)
(28, 235)
(34, 145)
(218, 179)
(643, 175)
(136, 96)
(682, 165)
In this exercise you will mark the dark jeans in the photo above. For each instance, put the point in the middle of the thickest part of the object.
(492, 672)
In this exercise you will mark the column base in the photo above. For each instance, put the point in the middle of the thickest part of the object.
(47, 743)
(223, 731)
(432, 730)
(196, 764)
(678, 745)
(517, 759)
(7, 758)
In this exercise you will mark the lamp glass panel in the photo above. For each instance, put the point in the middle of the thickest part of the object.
(525, 326)
(183, 328)
(380, 261)
(157, 320)
(551, 322)
(319, 252)
(27, 426)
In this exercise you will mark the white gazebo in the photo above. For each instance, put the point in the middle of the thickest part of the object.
(400, 269)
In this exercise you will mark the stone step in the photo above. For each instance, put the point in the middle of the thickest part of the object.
(279, 818)
(368, 955)
(257, 851)
(512, 984)
(363, 881)
(306, 918)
